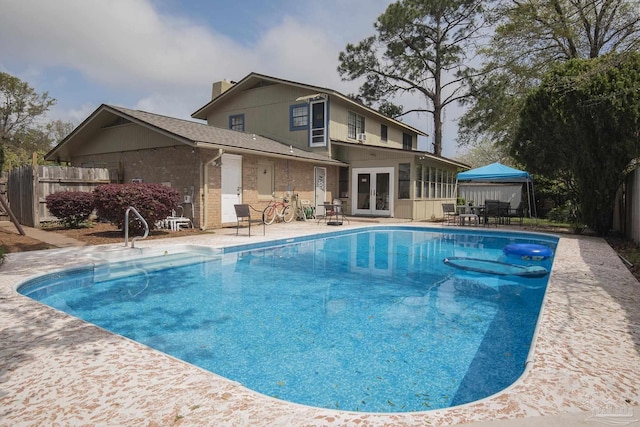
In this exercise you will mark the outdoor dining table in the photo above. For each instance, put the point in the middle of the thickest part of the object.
(470, 214)
(334, 211)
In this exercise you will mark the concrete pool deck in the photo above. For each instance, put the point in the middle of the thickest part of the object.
(58, 370)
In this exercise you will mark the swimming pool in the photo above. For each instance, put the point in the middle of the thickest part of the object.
(370, 320)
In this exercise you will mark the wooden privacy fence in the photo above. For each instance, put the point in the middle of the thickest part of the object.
(28, 187)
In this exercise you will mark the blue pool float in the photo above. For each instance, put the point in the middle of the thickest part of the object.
(528, 251)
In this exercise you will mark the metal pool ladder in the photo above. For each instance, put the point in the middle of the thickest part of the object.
(126, 227)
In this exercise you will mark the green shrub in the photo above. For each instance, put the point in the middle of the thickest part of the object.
(153, 201)
(559, 214)
(72, 208)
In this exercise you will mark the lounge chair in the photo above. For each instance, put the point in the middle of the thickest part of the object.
(243, 214)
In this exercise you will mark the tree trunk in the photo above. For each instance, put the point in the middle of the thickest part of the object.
(437, 130)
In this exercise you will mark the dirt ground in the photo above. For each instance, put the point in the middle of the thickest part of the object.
(17, 243)
(96, 234)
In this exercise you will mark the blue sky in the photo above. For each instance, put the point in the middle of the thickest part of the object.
(162, 56)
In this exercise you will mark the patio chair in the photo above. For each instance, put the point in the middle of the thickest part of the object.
(492, 212)
(243, 214)
(450, 213)
(517, 213)
(338, 211)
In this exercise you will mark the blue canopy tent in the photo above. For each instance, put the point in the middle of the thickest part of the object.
(499, 173)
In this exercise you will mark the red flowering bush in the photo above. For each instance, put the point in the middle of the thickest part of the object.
(153, 201)
(72, 208)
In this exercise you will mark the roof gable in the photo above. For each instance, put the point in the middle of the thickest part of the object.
(183, 131)
(255, 80)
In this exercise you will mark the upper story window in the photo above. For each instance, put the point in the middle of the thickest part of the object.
(236, 122)
(384, 132)
(407, 141)
(299, 117)
(355, 125)
(319, 129)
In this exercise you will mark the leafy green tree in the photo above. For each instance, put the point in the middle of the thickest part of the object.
(582, 126)
(421, 46)
(530, 37)
(485, 153)
(38, 139)
(20, 109)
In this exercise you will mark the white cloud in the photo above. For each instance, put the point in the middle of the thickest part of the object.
(129, 53)
(298, 52)
(123, 43)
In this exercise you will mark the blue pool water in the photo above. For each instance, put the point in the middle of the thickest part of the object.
(367, 320)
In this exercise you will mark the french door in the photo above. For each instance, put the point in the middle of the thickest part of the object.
(373, 189)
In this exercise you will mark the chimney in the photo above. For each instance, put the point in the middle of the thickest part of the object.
(219, 87)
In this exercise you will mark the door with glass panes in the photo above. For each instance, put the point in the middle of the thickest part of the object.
(373, 188)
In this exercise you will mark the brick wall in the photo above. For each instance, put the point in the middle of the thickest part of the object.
(294, 176)
(182, 169)
(177, 166)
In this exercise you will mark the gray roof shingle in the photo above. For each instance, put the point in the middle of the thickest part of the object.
(202, 134)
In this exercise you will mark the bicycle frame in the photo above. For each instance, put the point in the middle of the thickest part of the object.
(278, 209)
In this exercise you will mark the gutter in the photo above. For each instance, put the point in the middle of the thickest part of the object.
(291, 156)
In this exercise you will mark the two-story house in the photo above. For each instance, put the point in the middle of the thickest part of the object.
(385, 176)
(267, 137)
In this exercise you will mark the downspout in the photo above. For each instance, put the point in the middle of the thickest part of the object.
(205, 188)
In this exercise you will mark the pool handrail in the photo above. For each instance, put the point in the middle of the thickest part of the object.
(126, 227)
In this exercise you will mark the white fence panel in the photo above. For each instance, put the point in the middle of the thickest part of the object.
(478, 193)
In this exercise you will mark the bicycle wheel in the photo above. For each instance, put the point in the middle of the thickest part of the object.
(269, 214)
(288, 213)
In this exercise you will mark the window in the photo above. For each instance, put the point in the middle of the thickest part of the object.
(266, 185)
(404, 181)
(318, 133)
(299, 117)
(419, 181)
(343, 182)
(355, 125)
(407, 141)
(384, 131)
(432, 183)
(236, 122)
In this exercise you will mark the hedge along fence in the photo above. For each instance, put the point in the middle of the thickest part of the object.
(153, 202)
(71, 207)
(28, 188)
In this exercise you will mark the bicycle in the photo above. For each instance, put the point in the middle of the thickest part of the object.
(278, 209)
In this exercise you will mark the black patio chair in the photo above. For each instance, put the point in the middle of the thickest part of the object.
(517, 213)
(243, 214)
(492, 212)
